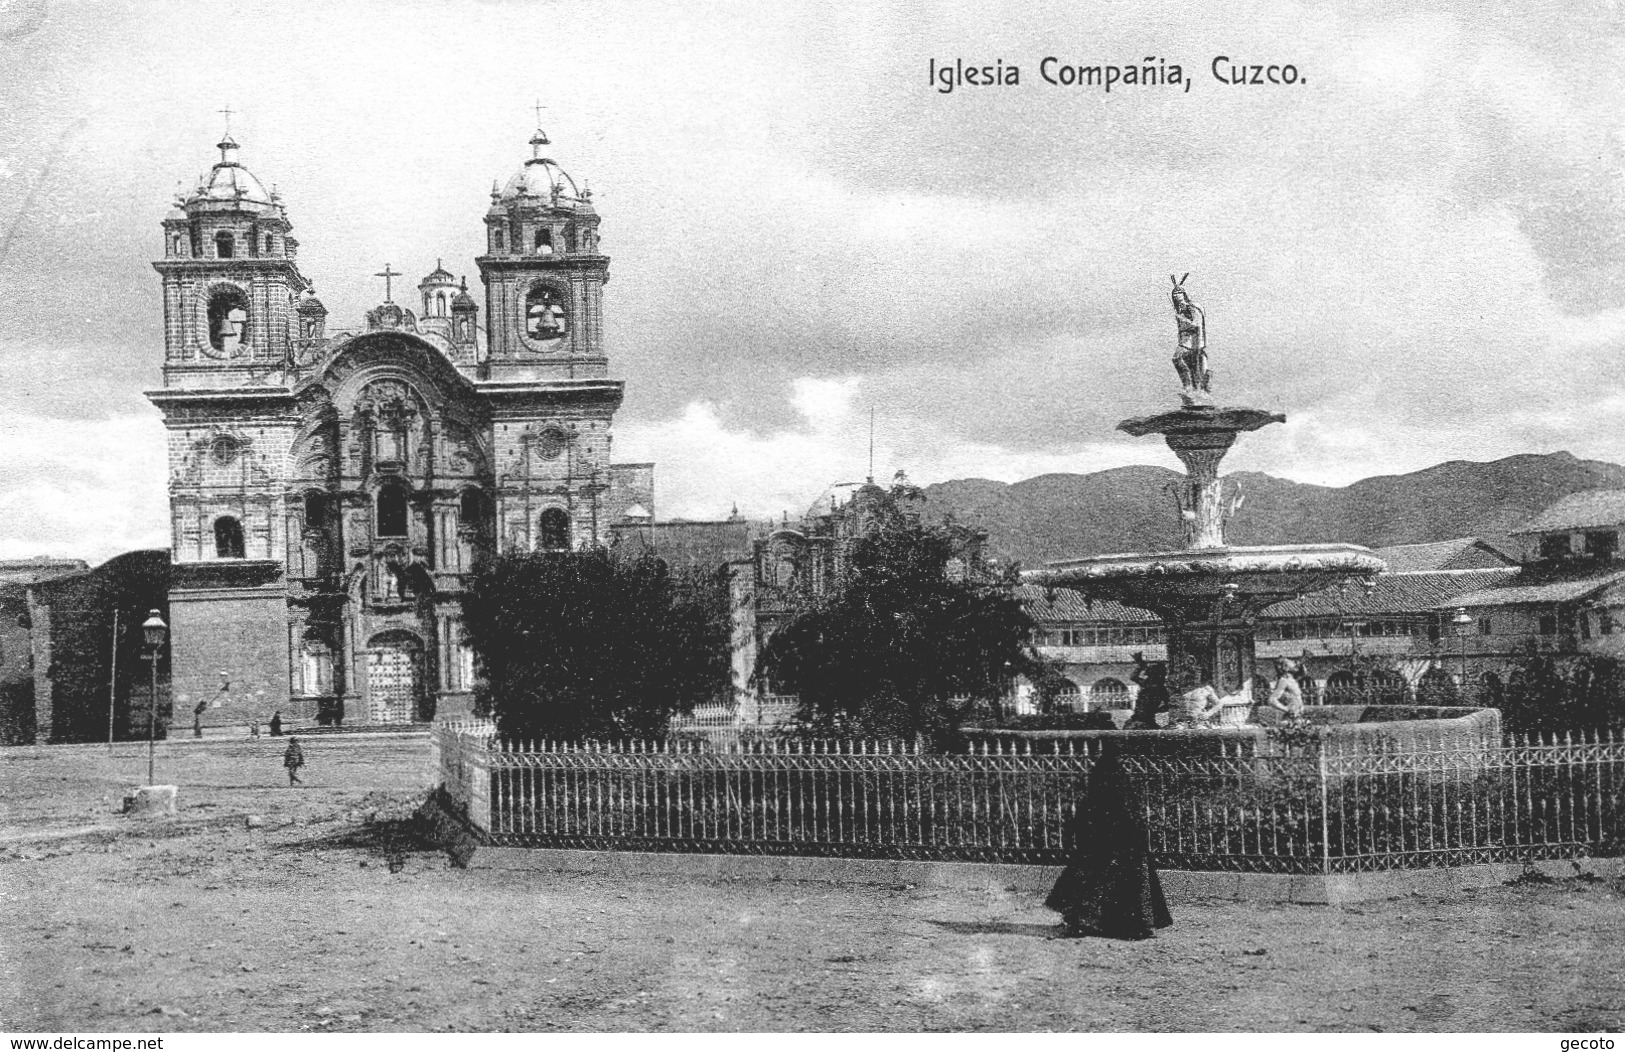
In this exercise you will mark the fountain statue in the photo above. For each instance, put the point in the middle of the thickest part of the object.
(1208, 593)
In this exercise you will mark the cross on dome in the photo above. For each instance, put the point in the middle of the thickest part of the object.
(388, 275)
(540, 139)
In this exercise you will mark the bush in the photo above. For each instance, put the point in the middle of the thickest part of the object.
(579, 645)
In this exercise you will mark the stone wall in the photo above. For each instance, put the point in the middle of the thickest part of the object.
(242, 633)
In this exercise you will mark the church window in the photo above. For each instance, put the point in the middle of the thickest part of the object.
(392, 511)
(228, 320)
(315, 510)
(550, 443)
(471, 508)
(228, 538)
(224, 245)
(225, 449)
(268, 244)
(553, 531)
(544, 241)
(440, 304)
(570, 237)
(498, 239)
(545, 317)
(175, 245)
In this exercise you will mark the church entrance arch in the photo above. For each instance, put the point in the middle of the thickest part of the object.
(395, 678)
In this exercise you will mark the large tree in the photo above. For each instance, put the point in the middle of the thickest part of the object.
(909, 639)
(587, 645)
(1546, 695)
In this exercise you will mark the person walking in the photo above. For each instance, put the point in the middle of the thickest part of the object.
(293, 759)
(1110, 888)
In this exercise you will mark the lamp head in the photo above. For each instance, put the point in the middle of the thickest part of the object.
(154, 630)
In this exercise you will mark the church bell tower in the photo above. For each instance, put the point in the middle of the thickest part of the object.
(545, 369)
(544, 276)
(230, 280)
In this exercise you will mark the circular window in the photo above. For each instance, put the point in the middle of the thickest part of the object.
(550, 443)
(224, 449)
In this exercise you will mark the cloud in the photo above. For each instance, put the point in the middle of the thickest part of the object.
(1417, 255)
(704, 468)
(82, 489)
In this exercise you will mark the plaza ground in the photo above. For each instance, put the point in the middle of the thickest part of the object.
(320, 919)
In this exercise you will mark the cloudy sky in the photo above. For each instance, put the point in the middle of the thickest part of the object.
(1417, 253)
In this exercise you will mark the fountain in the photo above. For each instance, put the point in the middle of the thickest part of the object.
(1208, 593)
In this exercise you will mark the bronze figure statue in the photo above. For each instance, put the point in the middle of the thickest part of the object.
(1190, 361)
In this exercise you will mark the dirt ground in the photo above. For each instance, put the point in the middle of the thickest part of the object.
(319, 920)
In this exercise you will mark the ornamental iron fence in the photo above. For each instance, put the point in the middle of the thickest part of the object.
(1295, 802)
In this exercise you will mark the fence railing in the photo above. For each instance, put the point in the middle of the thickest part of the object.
(1286, 804)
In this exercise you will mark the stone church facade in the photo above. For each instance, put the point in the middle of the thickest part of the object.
(331, 490)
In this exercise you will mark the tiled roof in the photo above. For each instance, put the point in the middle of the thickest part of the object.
(703, 546)
(1049, 605)
(1580, 511)
(1561, 590)
(1462, 553)
(1395, 593)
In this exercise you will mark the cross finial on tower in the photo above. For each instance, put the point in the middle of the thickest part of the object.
(387, 275)
(228, 111)
(540, 139)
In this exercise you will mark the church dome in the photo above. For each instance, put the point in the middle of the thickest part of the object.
(463, 301)
(439, 276)
(230, 181)
(309, 304)
(542, 179)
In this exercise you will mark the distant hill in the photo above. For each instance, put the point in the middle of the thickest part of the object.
(1130, 509)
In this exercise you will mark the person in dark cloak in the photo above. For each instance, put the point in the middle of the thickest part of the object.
(1110, 888)
(276, 724)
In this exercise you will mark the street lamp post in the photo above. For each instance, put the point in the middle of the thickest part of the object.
(1463, 621)
(154, 630)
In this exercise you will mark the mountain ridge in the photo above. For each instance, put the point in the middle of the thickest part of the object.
(1060, 515)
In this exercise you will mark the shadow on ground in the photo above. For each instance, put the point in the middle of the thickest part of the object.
(393, 827)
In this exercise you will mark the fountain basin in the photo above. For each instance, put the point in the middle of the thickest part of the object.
(1208, 599)
(1185, 583)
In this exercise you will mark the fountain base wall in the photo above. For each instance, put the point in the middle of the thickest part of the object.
(1349, 731)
